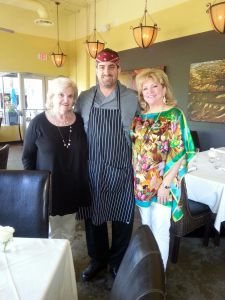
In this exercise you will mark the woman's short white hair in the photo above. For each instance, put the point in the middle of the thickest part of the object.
(56, 86)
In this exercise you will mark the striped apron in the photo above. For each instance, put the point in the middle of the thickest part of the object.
(110, 166)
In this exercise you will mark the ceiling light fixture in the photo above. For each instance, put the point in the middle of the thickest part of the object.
(217, 16)
(58, 57)
(144, 34)
(43, 22)
(94, 46)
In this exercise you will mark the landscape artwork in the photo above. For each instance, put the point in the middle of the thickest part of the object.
(206, 99)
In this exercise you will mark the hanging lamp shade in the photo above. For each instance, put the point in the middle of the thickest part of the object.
(93, 45)
(217, 16)
(144, 34)
(57, 56)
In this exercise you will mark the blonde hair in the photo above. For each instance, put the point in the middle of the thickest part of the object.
(159, 76)
(56, 86)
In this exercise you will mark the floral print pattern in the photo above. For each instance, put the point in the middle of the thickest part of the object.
(159, 140)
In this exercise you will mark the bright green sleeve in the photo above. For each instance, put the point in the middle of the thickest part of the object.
(181, 146)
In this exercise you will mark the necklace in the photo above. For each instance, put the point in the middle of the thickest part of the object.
(68, 144)
(59, 122)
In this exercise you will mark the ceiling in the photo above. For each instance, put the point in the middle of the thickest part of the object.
(67, 6)
(76, 5)
(76, 16)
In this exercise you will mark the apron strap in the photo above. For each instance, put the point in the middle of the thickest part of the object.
(93, 101)
(118, 97)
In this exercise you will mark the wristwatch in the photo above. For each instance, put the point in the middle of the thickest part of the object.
(167, 187)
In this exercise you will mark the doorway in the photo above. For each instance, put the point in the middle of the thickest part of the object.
(22, 97)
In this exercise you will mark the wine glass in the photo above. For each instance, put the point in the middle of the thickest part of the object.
(220, 161)
(212, 155)
(195, 159)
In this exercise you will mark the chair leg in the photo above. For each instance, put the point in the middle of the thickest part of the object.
(175, 249)
(217, 238)
(206, 234)
(218, 234)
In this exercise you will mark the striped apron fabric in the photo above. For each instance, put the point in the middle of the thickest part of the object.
(110, 168)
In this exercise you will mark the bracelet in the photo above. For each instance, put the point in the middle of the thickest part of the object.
(167, 187)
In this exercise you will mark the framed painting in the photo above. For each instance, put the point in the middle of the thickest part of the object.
(206, 98)
(128, 77)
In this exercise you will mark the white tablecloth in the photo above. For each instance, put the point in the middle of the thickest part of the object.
(37, 269)
(207, 185)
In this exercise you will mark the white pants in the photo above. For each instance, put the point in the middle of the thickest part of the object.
(62, 227)
(157, 217)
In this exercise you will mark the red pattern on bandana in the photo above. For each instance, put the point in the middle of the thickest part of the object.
(107, 56)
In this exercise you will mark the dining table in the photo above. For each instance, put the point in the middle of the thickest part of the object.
(205, 182)
(37, 269)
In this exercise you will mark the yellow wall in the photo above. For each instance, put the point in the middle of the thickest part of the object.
(9, 133)
(181, 20)
(19, 52)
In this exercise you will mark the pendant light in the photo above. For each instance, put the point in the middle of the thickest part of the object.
(58, 57)
(93, 45)
(217, 16)
(144, 34)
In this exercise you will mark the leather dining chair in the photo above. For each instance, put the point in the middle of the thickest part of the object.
(141, 273)
(195, 216)
(195, 138)
(24, 202)
(4, 154)
(218, 234)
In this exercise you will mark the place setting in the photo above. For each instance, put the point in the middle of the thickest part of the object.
(193, 165)
(217, 158)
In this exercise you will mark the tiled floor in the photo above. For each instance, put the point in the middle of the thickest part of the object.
(198, 275)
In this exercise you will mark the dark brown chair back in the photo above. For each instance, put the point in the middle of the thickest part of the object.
(141, 273)
(195, 216)
(195, 138)
(4, 154)
(24, 202)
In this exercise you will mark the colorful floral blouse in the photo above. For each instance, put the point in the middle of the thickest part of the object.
(159, 140)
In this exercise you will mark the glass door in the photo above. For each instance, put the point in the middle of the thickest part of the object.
(9, 98)
(22, 97)
(33, 91)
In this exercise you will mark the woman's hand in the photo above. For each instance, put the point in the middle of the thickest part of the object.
(163, 194)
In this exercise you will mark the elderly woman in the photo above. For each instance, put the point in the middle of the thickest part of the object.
(56, 141)
(162, 147)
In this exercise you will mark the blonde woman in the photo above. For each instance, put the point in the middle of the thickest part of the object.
(56, 141)
(162, 147)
